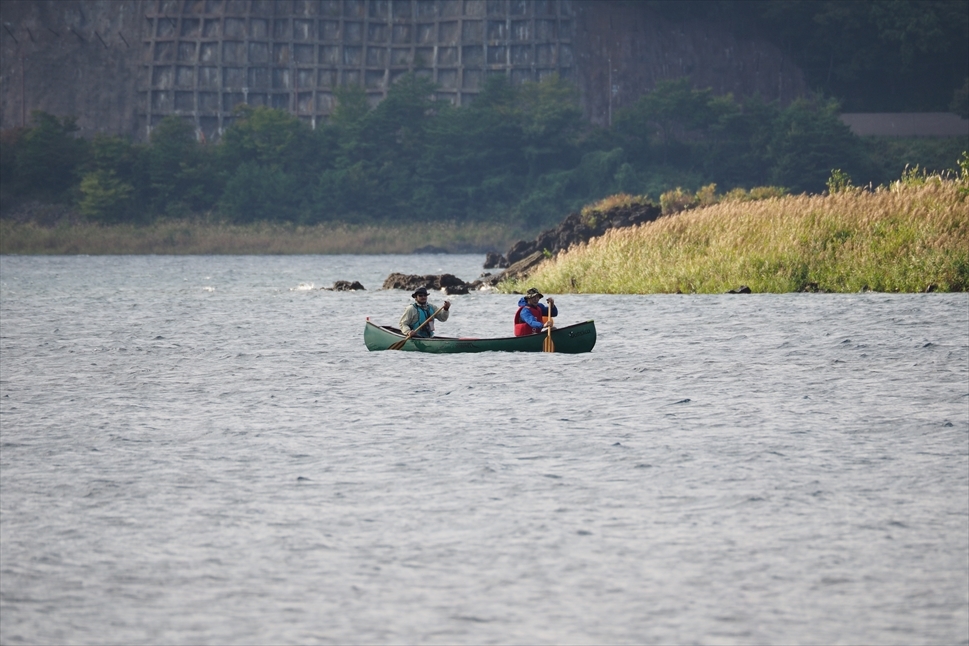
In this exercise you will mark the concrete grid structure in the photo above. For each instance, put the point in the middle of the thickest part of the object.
(202, 58)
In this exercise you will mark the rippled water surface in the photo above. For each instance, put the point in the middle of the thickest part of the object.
(200, 450)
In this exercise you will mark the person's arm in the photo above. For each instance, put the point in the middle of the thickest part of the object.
(443, 312)
(407, 319)
(529, 318)
(545, 313)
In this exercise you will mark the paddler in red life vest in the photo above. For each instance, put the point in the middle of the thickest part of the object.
(419, 311)
(532, 316)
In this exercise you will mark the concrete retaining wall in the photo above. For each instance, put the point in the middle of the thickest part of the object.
(121, 66)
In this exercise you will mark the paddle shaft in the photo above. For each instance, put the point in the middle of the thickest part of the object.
(549, 345)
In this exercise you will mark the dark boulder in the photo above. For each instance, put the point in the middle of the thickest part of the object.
(449, 283)
(743, 289)
(524, 256)
(346, 286)
(519, 269)
(577, 228)
(493, 260)
(524, 266)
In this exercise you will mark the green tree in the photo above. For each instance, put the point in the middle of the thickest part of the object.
(347, 123)
(394, 141)
(351, 106)
(807, 141)
(672, 115)
(104, 197)
(281, 147)
(473, 163)
(736, 155)
(10, 182)
(118, 160)
(48, 157)
(269, 137)
(255, 193)
(173, 148)
(376, 171)
(551, 123)
(344, 189)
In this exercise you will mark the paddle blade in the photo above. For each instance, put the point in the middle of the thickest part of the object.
(397, 345)
(548, 345)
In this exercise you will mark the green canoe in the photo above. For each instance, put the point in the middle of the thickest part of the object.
(580, 337)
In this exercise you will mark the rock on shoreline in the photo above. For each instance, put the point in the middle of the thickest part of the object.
(575, 229)
(524, 256)
(578, 228)
(449, 283)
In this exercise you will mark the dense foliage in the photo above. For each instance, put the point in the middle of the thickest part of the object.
(873, 56)
(522, 155)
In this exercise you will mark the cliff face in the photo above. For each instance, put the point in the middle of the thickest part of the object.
(644, 49)
(71, 57)
(119, 66)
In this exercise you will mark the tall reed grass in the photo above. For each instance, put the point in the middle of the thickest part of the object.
(195, 237)
(912, 236)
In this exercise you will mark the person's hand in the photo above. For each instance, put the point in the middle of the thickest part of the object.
(410, 333)
(550, 301)
(447, 305)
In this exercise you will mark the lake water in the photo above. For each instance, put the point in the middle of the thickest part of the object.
(200, 450)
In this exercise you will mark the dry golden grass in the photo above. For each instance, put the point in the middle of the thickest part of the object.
(905, 238)
(617, 201)
(190, 237)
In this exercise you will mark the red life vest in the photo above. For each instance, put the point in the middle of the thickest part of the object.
(521, 327)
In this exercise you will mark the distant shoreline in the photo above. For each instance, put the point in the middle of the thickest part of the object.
(910, 236)
(194, 237)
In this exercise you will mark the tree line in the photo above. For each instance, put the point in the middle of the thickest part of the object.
(521, 154)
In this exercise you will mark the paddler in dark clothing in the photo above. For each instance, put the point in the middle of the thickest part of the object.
(419, 311)
(532, 317)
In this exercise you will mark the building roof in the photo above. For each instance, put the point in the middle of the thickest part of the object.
(906, 124)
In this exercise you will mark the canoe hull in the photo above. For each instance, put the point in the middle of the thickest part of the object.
(572, 339)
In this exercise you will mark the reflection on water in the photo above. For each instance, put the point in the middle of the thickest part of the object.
(202, 450)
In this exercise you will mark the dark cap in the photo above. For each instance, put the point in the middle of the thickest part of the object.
(533, 292)
(418, 291)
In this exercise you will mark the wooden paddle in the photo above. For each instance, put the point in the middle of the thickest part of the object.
(400, 344)
(547, 344)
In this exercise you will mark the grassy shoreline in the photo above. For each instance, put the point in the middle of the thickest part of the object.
(190, 237)
(910, 237)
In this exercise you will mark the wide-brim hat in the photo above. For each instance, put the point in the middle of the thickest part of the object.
(533, 292)
(419, 291)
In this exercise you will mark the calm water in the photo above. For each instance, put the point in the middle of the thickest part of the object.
(202, 451)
